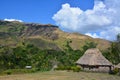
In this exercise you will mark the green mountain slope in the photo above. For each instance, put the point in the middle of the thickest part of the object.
(43, 36)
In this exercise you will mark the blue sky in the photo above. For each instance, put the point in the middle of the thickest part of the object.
(95, 18)
(40, 11)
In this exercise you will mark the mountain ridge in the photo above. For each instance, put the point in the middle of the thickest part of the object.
(45, 36)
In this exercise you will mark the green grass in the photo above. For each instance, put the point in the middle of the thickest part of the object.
(61, 75)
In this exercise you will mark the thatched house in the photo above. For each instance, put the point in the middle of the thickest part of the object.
(93, 58)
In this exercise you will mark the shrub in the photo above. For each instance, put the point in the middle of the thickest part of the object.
(34, 70)
(73, 68)
(19, 71)
(8, 72)
(76, 69)
(114, 71)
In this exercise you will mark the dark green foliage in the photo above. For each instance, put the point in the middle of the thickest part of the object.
(43, 60)
(89, 45)
(115, 70)
(71, 56)
(8, 72)
(19, 71)
(5, 57)
(113, 53)
(76, 69)
(69, 68)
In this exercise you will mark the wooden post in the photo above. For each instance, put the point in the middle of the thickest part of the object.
(110, 69)
(82, 66)
(119, 72)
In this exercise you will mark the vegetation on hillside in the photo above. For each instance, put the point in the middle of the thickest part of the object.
(43, 60)
(113, 52)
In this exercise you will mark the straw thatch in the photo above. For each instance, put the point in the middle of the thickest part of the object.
(118, 66)
(93, 57)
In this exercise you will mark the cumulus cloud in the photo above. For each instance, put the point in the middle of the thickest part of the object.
(94, 35)
(12, 20)
(100, 22)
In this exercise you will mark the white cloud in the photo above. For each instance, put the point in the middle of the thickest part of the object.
(110, 34)
(101, 21)
(94, 35)
(12, 20)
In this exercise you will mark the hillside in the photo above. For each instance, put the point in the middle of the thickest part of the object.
(43, 36)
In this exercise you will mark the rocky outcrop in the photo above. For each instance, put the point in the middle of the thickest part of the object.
(46, 31)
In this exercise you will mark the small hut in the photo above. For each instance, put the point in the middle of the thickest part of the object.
(93, 58)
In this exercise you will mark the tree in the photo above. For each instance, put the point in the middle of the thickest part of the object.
(118, 38)
(6, 57)
(115, 50)
(89, 45)
(113, 53)
(20, 57)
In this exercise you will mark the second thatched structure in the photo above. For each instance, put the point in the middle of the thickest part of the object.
(93, 58)
(118, 66)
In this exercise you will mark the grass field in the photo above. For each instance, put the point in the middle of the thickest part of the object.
(61, 75)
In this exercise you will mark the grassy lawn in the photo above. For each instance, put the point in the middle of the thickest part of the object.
(60, 75)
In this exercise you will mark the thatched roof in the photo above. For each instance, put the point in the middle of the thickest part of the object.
(118, 66)
(93, 57)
